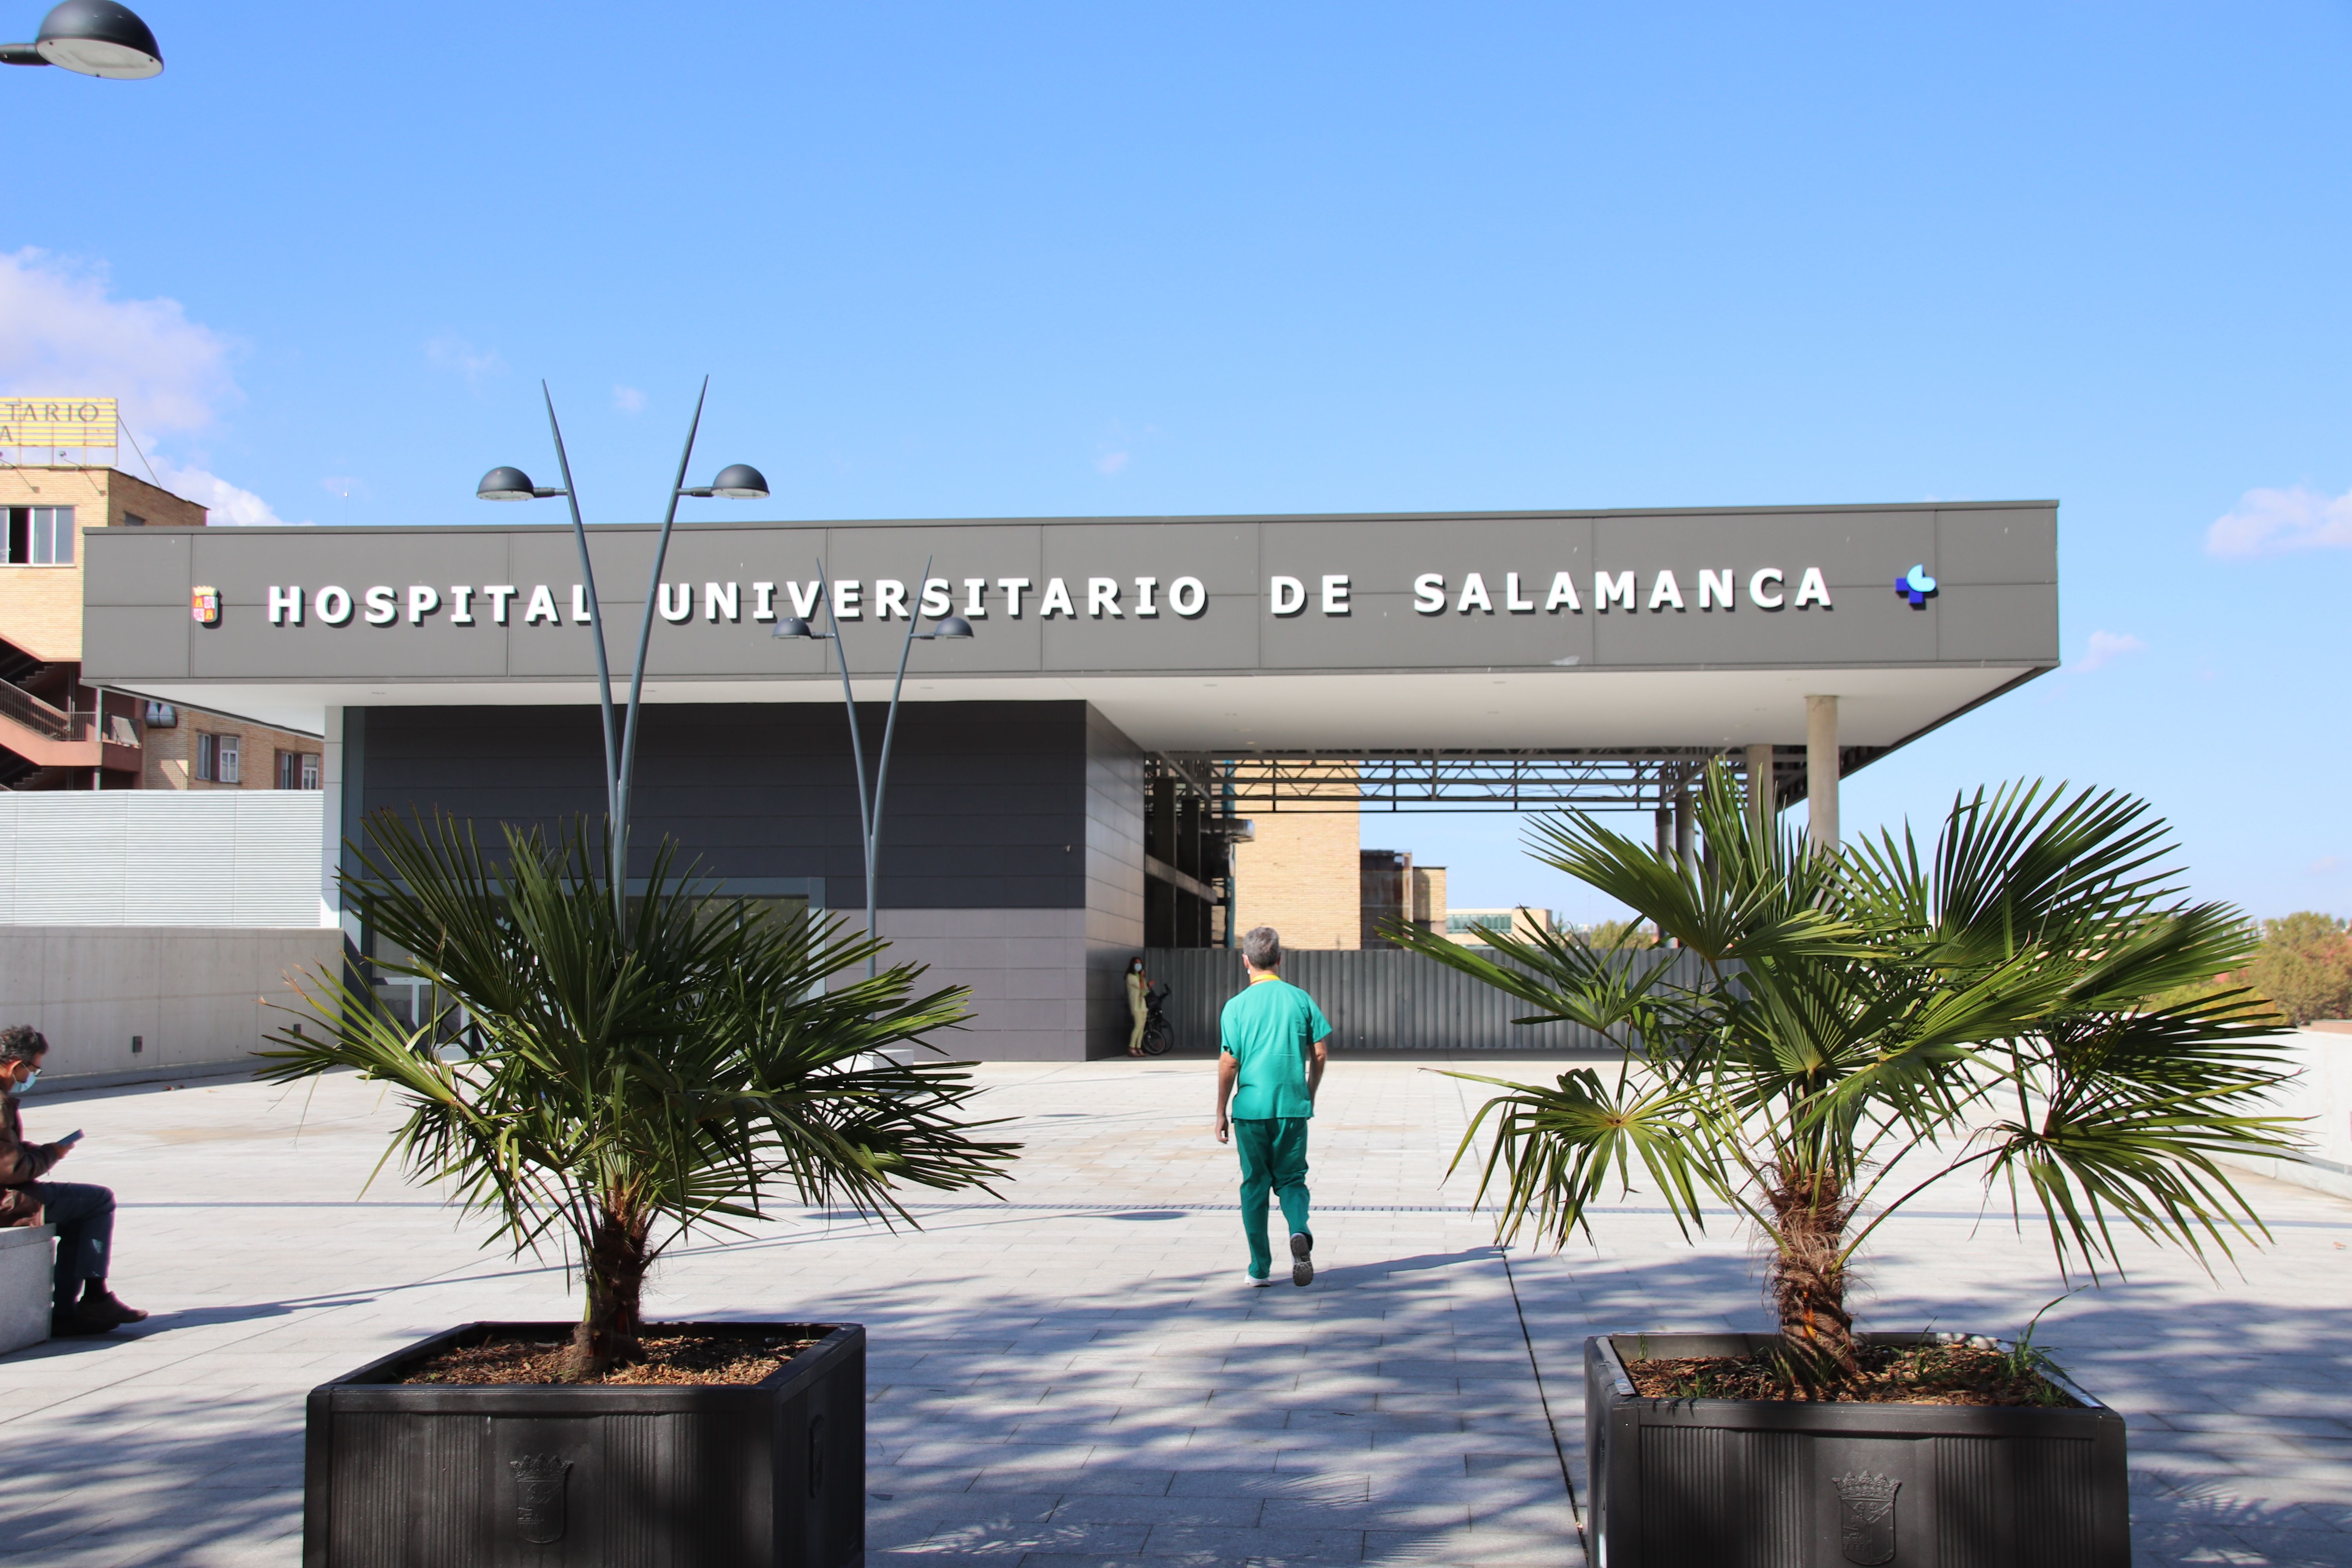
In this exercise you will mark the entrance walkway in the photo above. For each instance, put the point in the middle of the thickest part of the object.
(1078, 1375)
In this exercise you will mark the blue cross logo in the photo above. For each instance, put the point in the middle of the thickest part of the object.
(1916, 585)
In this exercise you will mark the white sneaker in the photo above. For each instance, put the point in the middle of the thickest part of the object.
(1256, 1283)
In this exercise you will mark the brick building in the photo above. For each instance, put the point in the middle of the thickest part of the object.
(57, 731)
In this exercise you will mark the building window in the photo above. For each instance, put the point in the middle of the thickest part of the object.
(217, 759)
(40, 535)
(133, 519)
(297, 769)
(162, 716)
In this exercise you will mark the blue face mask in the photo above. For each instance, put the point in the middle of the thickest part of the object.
(26, 1086)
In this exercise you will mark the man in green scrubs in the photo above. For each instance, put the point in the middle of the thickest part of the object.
(1274, 1040)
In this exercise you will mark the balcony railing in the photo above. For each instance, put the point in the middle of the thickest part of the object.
(60, 723)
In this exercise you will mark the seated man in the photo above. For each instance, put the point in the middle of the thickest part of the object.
(84, 1215)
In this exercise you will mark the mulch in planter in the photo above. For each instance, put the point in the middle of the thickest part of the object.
(682, 1358)
(1891, 1374)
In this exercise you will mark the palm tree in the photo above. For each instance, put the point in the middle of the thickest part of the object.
(614, 1074)
(1848, 1029)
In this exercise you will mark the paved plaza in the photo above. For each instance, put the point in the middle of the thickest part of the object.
(1078, 1375)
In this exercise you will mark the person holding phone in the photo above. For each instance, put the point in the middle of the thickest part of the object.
(84, 1214)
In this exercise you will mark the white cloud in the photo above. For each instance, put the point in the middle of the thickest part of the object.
(628, 400)
(2325, 866)
(2106, 647)
(1110, 462)
(62, 331)
(2270, 522)
(230, 505)
(447, 350)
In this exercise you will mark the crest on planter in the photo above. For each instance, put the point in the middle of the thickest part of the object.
(539, 1498)
(1867, 1517)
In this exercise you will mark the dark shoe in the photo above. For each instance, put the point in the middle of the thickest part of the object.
(1302, 1265)
(105, 1310)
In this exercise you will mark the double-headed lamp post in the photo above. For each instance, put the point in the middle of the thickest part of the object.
(953, 628)
(96, 38)
(737, 481)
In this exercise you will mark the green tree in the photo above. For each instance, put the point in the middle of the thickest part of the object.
(2305, 966)
(612, 1075)
(1875, 1016)
(1611, 934)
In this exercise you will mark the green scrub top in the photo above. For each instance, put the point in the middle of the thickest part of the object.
(1269, 1028)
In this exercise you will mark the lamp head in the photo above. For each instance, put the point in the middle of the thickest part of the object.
(740, 482)
(791, 626)
(506, 484)
(99, 37)
(955, 628)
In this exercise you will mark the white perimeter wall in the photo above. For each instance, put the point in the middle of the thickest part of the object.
(241, 859)
(2321, 1099)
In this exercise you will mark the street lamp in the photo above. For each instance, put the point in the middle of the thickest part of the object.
(952, 628)
(737, 481)
(96, 38)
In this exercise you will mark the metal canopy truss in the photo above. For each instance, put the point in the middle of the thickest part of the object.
(1645, 780)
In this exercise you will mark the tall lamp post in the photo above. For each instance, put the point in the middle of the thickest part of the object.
(954, 628)
(737, 481)
(96, 38)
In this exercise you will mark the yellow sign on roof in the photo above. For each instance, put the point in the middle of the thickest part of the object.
(56, 422)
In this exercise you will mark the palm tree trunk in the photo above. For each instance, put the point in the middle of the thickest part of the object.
(1807, 1281)
(614, 1263)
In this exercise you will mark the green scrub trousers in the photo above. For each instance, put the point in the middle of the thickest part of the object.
(1273, 1158)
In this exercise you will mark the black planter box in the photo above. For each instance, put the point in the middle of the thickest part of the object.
(766, 1475)
(1750, 1483)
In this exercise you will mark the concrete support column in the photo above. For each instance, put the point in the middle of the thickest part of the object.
(330, 826)
(1683, 815)
(1763, 804)
(1822, 770)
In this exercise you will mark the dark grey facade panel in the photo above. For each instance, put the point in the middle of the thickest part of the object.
(1114, 873)
(138, 583)
(987, 805)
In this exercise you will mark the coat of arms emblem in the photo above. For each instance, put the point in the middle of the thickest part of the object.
(539, 1497)
(1867, 1517)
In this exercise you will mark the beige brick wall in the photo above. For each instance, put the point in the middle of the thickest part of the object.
(1429, 897)
(1301, 875)
(171, 754)
(40, 606)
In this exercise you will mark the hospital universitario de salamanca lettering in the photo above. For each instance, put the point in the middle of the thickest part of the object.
(1711, 590)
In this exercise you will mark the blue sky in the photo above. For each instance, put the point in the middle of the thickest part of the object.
(1005, 259)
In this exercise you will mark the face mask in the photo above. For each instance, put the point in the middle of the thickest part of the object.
(26, 1086)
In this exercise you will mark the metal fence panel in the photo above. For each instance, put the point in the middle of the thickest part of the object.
(1378, 999)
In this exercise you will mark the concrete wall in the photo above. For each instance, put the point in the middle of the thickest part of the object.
(2321, 1098)
(194, 996)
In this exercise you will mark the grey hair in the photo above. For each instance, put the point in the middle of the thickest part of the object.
(22, 1042)
(1262, 945)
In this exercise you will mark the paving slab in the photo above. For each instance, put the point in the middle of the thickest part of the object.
(1077, 1374)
